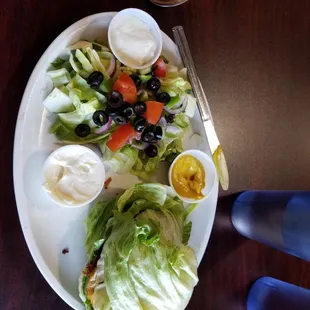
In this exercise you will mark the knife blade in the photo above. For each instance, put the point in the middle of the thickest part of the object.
(203, 106)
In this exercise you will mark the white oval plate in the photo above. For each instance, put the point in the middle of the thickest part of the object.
(47, 227)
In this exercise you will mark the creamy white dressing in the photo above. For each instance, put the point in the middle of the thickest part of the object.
(73, 176)
(133, 41)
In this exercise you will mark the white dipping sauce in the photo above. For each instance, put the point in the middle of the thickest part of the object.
(73, 175)
(133, 41)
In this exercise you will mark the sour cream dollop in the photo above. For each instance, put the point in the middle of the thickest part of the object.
(133, 41)
(73, 175)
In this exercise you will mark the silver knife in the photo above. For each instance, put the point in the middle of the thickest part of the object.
(203, 106)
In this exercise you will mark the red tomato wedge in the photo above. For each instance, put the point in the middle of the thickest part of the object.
(120, 136)
(126, 86)
(160, 68)
(153, 111)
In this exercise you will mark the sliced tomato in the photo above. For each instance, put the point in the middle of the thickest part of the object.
(120, 136)
(153, 112)
(160, 68)
(126, 86)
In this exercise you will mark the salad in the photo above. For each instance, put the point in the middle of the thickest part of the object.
(138, 253)
(137, 117)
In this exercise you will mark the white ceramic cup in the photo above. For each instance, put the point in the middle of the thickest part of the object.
(151, 24)
(76, 149)
(210, 174)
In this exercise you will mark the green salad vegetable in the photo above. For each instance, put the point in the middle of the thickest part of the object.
(137, 117)
(138, 257)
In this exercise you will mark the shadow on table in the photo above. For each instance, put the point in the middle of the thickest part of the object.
(224, 238)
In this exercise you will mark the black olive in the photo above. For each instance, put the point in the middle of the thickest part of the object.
(100, 117)
(136, 79)
(148, 136)
(158, 133)
(95, 79)
(139, 108)
(151, 151)
(95, 87)
(116, 99)
(128, 110)
(120, 119)
(170, 118)
(82, 130)
(139, 124)
(153, 84)
(112, 111)
(163, 97)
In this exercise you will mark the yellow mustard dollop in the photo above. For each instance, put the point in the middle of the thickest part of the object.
(188, 177)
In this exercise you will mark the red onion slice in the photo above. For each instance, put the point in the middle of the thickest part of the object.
(112, 66)
(140, 91)
(162, 122)
(183, 100)
(137, 137)
(179, 107)
(104, 128)
(176, 111)
(173, 130)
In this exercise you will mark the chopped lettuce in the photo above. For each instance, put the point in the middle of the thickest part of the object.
(145, 71)
(94, 102)
(87, 93)
(84, 61)
(95, 230)
(59, 77)
(58, 101)
(173, 101)
(64, 89)
(81, 45)
(60, 63)
(154, 193)
(83, 103)
(183, 73)
(105, 54)
(175, 86)
(76, 117)
(67, 135)
(95, 62)
(187, 232)
(181, 120)
(121, 161)
(191, 208)
(144, 78)
(144, 263)
(106, 86)
(83, 111)
(76, 66)
(172, 71)
(100, 47)
(168, 149)
(144, 96)
(128, 70)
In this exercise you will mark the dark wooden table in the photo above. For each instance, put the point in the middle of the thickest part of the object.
(253, 58)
